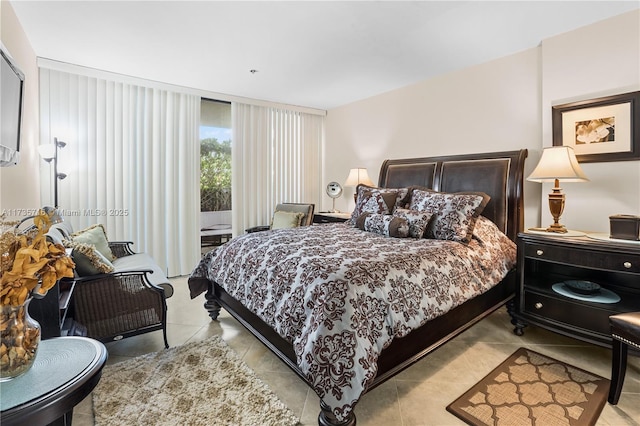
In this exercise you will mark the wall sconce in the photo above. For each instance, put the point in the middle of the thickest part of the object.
(557, 163)
(49, 152)
(356, 177)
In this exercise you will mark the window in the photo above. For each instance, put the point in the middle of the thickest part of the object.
(215, 173)
(215, 156)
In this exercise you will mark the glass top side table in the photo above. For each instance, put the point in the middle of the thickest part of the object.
(65, 371)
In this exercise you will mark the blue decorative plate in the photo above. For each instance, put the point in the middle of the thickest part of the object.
(582, 287)
(603, 296)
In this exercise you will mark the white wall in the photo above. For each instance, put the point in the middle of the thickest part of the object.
(490, 107)
(501, 105)
(599, 60)
(20, 185)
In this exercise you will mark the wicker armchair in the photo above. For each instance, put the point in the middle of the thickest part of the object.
(120, 304)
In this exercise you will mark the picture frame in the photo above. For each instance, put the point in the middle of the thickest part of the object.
(600, 130)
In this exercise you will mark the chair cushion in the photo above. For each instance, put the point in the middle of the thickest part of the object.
(627, 326)
(139, 262)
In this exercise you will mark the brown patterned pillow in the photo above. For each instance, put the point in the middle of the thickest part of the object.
(417, 220)
(383, 224)
(376, 200)
(454, 214)
(406, 201)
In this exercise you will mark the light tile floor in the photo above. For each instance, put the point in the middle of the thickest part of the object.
(416, 396)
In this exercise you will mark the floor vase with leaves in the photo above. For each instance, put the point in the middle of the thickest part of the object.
(30, 265)
(19, 336)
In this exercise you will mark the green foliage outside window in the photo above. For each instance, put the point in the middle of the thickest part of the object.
(215, 175)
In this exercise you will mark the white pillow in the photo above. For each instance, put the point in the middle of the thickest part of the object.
(96, 236)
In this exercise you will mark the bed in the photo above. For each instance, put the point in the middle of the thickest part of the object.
(347, 309)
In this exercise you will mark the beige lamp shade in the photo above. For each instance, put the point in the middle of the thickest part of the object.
(558, 162)
(358, 176)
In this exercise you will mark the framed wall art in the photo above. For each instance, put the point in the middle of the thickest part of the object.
(600, 130)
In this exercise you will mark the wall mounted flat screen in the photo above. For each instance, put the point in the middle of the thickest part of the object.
(11, 95)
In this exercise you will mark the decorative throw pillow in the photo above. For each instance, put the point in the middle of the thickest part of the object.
(376, 200)
(88, 260)
(383, 224)
(96, 236)
(406, 201)
(454, 214)
(401, 196)
(282, 220)
(417, 220)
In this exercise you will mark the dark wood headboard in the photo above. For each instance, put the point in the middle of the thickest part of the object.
(498, 174)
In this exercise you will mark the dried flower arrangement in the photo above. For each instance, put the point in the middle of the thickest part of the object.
(29, 266)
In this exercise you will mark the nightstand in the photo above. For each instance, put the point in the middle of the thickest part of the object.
(328, 217)
(545, 263)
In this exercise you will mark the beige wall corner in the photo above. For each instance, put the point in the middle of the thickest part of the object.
(20, 185)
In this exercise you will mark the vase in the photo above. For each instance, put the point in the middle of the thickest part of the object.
(20, 336)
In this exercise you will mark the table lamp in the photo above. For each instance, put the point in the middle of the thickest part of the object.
(356, 177)
(557, 163)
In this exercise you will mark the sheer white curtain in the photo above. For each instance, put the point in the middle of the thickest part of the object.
(277, 157)
(132, 160)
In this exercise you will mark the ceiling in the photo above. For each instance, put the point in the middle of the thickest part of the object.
(314, 54)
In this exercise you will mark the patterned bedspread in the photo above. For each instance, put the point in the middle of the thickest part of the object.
(341, 295)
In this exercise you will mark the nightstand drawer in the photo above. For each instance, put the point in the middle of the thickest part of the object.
(566, 311)
(619, 262)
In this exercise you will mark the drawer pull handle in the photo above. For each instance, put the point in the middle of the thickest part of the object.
(538, 305)
(539, 252)
(627, 265)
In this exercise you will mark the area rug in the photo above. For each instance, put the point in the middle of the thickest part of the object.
(199, 383)
(532, 389)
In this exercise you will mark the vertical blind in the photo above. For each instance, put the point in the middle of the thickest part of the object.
(132, 163)
(277, 157)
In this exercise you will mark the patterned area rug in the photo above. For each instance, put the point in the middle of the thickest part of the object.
(200, 383)
(532, 389)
